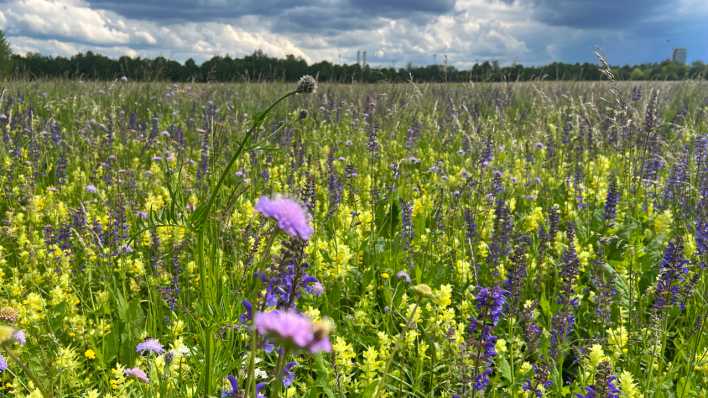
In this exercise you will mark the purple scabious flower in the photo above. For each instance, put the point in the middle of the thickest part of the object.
(3, 364)
(293, 330)
(150, 346)
(20, 337)
(290, 215)
(90, 188)
(403, 276)
(137, 373)
(315, 288)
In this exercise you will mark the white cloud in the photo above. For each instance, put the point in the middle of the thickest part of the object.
(476, 30)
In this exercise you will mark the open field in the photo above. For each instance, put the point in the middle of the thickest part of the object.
(472, 240)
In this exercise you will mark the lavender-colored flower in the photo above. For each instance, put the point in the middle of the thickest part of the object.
(403, 276)
(293, 330)
(290, 215)
(20, 337)
(315, 288)
(90, 188)
(3, 364)
(150, 346)
(137, 373)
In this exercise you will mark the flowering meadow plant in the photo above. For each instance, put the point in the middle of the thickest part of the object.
(486, 240)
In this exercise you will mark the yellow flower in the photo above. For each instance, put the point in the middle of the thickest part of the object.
(90, 354)
(462, 268)
(617, 338)
(525, 368)
(663, 222)
(500, 346)
(627, 386)
(66, 360)
(596, 355)
(443, 296)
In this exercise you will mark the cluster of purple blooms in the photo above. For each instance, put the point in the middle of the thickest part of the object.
(284, 326)
(673, 273)
(481, 342)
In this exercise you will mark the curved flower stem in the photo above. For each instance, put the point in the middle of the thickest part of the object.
(202, 213)
(282, 360)
(251, 384)
(49, 393)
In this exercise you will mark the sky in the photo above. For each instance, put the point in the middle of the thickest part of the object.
(392, 32)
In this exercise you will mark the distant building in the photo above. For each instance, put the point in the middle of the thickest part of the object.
(679, 56)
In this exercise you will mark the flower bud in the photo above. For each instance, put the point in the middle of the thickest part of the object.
(306, 85)
(423, 290)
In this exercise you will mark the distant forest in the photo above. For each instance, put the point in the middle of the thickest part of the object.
(261, 67)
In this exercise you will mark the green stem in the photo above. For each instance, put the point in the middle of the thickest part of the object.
(30, 374)
(256, 123)
(389, 362)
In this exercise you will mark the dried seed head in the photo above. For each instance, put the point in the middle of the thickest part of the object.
(306, 85)
(8, 314)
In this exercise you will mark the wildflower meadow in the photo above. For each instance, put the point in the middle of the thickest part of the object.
(538, 239)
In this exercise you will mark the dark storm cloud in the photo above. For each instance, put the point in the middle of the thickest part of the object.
(593, 14)
(588, 14)
(403, 8)
(197, 10)
(329, 10)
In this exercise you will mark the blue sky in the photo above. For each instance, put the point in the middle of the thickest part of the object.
(393, 32)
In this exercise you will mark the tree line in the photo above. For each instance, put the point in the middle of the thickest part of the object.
(261, 67)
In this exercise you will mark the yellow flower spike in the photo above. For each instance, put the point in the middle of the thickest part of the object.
(627, 386)
(596, 355)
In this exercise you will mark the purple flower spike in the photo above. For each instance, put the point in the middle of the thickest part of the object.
(137, 373)
(293, 330)
(290, 215)
(150, 345)
(3, 364)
